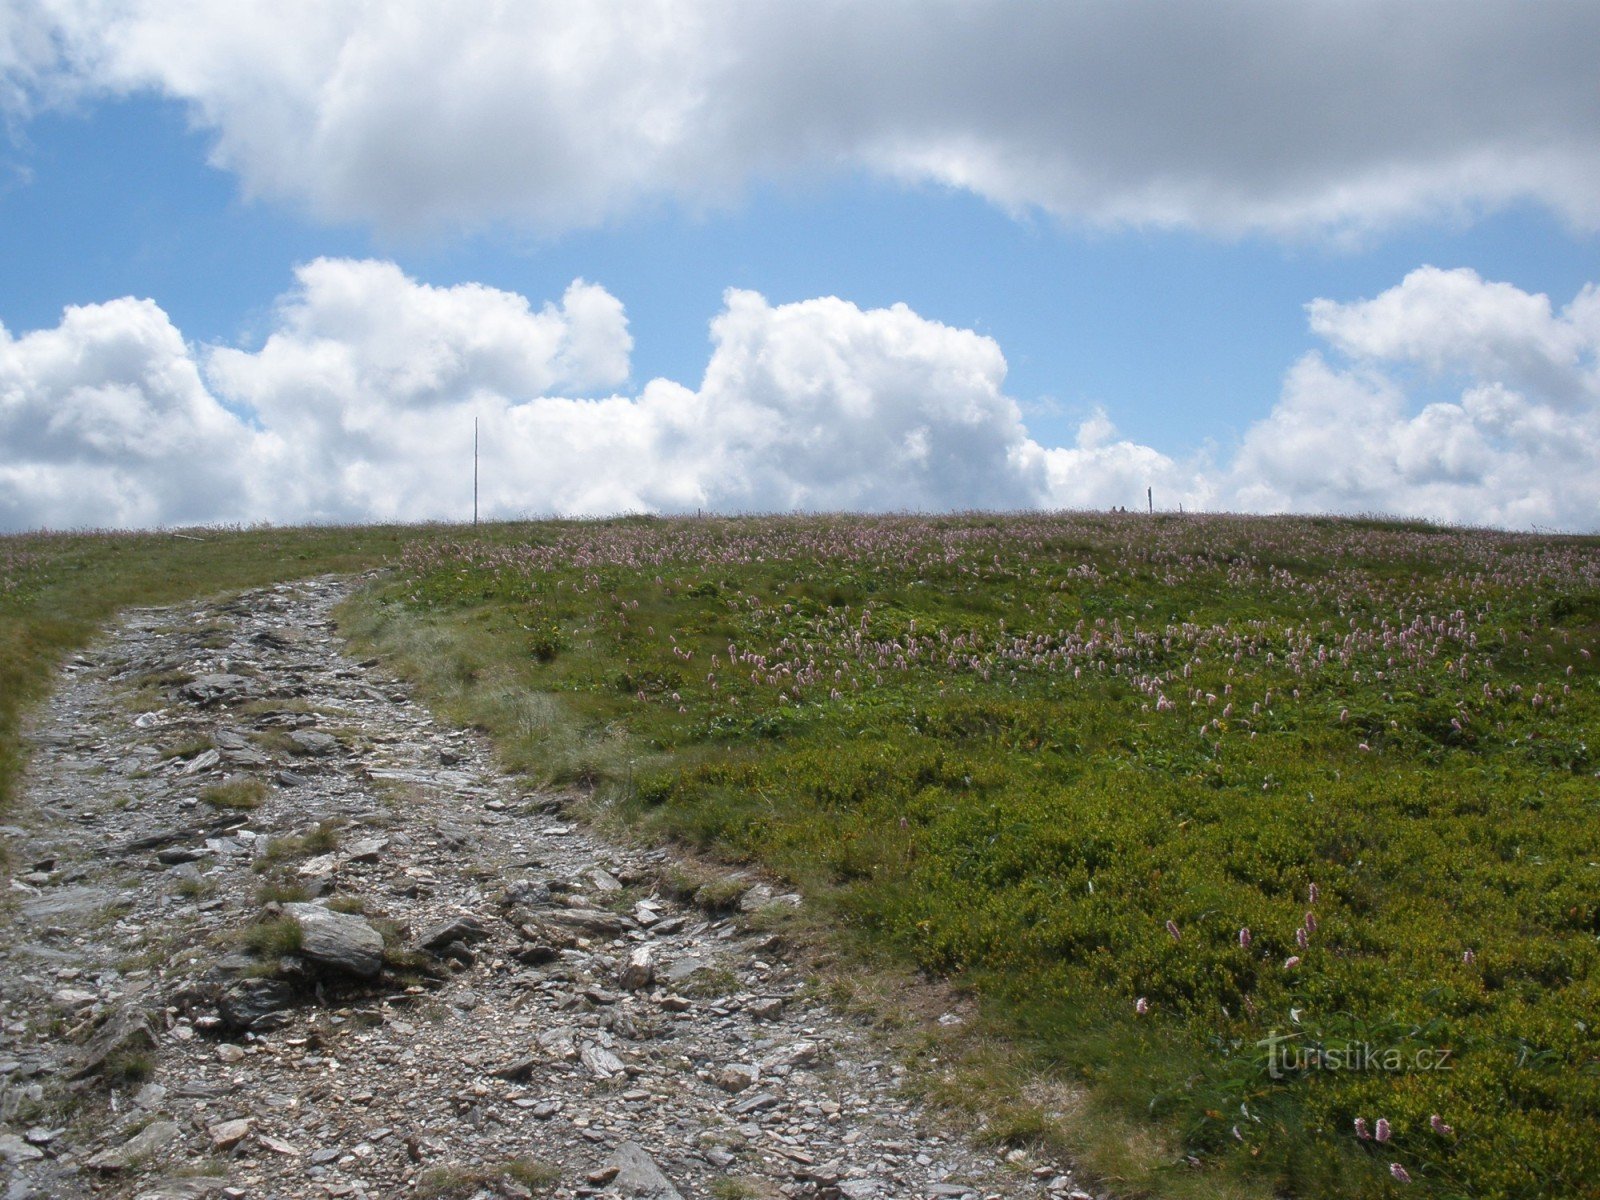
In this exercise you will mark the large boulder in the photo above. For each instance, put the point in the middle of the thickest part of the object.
(337, 941)
(128, 1032)
(256, 1004)
(638, 1175)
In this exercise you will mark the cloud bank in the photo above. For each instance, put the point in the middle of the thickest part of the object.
(1447, 396)
(1316, 117)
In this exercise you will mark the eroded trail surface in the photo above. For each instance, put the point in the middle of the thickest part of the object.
(274, 932)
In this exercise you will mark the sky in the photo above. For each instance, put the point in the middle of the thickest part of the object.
(270, 262)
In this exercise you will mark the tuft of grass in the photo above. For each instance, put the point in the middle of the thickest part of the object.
(270, 940)
(235, 794)
(281, 891)
(460, 1182)
(130, 1066)
(742, 1188)
(187, 748)
(322, 839)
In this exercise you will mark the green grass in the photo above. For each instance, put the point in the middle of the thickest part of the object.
(457, 1183)
(1010, 750)
(272, 939)
(235, 794)
(322, 838)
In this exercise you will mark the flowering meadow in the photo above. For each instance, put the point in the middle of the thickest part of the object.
(1282, 834)
(15, 566)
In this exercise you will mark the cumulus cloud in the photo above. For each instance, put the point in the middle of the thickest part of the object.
(1447, 396)
(370, 378)
(1320, 116)
(105, 421)
(372, 382)
(1515, 445)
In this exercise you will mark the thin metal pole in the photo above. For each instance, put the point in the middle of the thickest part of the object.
(474, 470)
(1150, 499)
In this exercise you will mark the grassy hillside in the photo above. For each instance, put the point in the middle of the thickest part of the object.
(1243, 830)
(1255, 828)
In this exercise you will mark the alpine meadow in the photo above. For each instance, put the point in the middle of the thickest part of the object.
(1268, 847)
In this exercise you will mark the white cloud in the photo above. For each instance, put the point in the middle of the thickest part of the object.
(1517, 445)
(1319, 116)
(371, 380)
(360, 405)
(104, 422)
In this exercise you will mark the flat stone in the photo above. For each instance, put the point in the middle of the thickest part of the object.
(467, 929)
(756, 1103)
(601, 1062)
(187, 1188)
(638, 1175)
(589, 920)
(214, 689)
(680, 969)
(366, 850)
(321, 866)
(225, 1135)
(203, 761)
(14, 1150)
(337, 941)
(148, 1143)
(66, 903)
(756, 898)
(311, 741)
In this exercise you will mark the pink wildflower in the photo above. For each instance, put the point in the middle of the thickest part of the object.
(1172, 928)
(1302, 938)
(1361, 1129)
(1381, 1131)
(1399, 1173)
(1291, 962)
(1439, 1126)
(1311, 894)
(1468, 957)
(1311, 922)
(1141, 1006)
(1244, 938)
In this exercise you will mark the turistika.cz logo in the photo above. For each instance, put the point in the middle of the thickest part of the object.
(1287, 1054)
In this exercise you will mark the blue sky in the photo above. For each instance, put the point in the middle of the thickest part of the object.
(1175, 309)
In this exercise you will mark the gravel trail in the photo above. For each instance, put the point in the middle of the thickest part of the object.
(447, 981)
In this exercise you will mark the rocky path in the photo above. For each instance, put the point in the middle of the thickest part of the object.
(275, 932)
